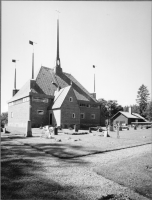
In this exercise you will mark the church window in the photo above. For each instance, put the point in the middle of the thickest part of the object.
(71, 99)
(82, 105)
(11, 114)
(37, 99)
(40, 112)
(73, 115)
(92, 116)
(82, 115)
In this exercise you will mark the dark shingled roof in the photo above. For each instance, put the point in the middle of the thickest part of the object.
(44, 85)
(46, 76)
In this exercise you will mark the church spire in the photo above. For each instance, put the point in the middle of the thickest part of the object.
(58, 68)
(58, 57)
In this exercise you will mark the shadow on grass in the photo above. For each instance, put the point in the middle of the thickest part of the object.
(23, 179)
(26, 174)
(60, 151)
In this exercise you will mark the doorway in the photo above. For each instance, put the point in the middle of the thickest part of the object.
(50, 118)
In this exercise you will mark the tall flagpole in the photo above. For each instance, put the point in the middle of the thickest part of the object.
(15, 74)
(94, 82)
(94, 78)
(15, 78)
(32, 43)
(29, 123)
(33, 63)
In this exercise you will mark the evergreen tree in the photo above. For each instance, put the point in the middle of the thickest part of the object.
(149, 111)
(126, 108)
(135, 109)
(142, 99)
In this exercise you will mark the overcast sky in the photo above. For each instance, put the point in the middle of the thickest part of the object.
(113, 36)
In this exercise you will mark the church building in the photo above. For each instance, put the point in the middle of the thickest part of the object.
(53, 97)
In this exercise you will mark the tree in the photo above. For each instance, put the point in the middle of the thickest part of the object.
(104, 113)
(149, 111)
(109, 108)
(4, 118)
(135, 109)
(142, 99)
(126, 108)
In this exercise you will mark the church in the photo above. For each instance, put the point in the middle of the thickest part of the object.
(53, 97)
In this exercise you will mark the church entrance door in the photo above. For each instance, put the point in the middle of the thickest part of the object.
(50, 118)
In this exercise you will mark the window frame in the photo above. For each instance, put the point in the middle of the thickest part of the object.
(71, 99)
(73, 115)
(40, 111)
(93, 116)
(11, 114)
(83, 115)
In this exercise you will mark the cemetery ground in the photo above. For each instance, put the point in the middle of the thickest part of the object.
(84, 166)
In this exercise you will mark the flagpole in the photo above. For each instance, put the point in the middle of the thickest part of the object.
(15, 74)
(94, 78)
(94, 82)
(15, 78)
(33, 63)
(32, 43)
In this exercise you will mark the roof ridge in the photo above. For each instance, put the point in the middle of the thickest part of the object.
(81, 87)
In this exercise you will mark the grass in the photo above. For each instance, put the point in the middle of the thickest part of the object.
(135, 173)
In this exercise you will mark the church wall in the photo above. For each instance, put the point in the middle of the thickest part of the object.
(88, 121)
(18, 114)
(68, 109)
(40, 114)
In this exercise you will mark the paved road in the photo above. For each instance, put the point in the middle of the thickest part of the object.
(31, 174)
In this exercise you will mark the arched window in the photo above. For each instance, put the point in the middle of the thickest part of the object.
(71, 99)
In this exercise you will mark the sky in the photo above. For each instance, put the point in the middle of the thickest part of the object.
(114, 36)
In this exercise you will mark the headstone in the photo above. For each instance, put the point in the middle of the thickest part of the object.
(76, 128)
(90, 130)
(106, 134)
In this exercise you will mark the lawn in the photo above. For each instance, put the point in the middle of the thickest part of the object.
(135, 173)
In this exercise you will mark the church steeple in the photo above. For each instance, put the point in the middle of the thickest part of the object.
(58, 68)
(58, 57)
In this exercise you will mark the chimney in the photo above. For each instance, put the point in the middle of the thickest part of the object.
(130, 110)
(32, 83)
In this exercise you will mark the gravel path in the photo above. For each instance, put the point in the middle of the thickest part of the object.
(54, 178)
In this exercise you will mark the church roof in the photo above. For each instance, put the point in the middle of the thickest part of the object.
(47, 82)
(47, 77)
(23, 92)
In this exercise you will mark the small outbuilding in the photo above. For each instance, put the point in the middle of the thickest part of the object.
(127, 117)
